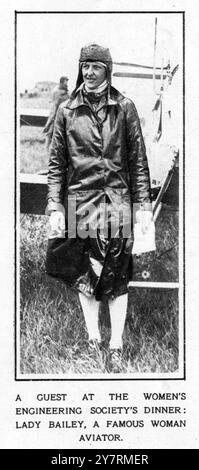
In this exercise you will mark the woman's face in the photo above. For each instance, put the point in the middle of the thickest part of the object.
(93, 74)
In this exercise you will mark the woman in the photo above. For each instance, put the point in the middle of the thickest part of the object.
(98, 171)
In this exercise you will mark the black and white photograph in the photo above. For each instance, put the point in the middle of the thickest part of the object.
(99, 162)
(99, 197)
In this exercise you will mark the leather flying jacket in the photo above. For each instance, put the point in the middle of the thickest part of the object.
(93, 154)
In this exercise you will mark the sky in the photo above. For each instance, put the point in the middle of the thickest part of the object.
(48, 45)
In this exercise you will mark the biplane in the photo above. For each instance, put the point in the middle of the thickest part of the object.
(163, 152)
(162, 147)
(163, 157)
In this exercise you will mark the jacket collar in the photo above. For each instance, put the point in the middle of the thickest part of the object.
(114, 97)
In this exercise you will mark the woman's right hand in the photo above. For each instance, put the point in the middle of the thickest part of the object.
(57, 224)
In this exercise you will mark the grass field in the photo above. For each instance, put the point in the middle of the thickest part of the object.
(53, 333)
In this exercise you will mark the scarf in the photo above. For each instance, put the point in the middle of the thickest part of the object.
(97, 90)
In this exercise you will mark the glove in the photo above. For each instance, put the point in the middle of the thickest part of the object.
(144, 233)
(144, 218)
(57, 225)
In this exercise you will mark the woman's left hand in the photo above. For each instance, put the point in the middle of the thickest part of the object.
(144, 218)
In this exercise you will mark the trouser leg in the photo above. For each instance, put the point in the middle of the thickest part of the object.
(118, 310)
(90, 309)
